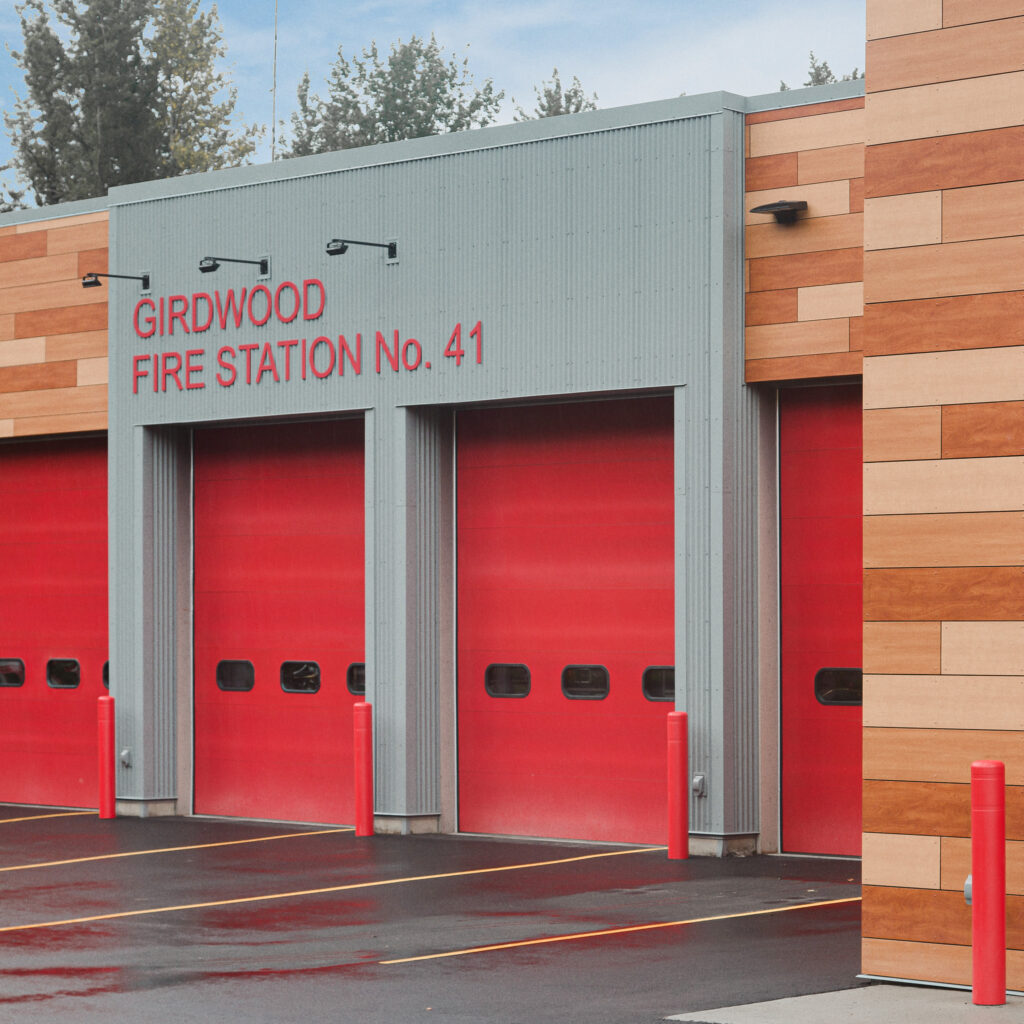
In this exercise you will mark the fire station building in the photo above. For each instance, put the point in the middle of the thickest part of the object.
(530, 435)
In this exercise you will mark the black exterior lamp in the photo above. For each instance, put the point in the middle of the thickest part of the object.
(93, 280)
(339, 246)
(208, 264)
(784, 211)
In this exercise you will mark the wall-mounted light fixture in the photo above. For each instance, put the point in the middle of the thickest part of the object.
(208, 264)
(93, 280)
(339, 246)
(784, 211)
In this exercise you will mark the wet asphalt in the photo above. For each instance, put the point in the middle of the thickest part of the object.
(301, 927)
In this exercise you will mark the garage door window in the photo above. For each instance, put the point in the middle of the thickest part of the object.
(12, 672)
(235, 675)
(507, 680)
(63, 673)
(585, 682)
(839, 686)
(355, 678)
(300, 677)
(659, 682)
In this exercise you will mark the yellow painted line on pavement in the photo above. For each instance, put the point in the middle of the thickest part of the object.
(171, 849)
(327, 889)
(39, 817)
(618, 931)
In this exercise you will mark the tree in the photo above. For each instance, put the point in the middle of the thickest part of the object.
(112, 105)
(415, 91)
(819, 73)
(185, 47)
(552, 100)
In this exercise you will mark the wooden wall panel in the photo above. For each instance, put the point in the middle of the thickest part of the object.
(818, 234)
(927, 111)
(888, 19)
(943, 485)
(894, 435)
(893, 222)
(963, 12)
(959, 268)
(984, 538)
(907, 861)
(983, 648)
(947, 162)
(971, 51)
(943, 324)
(944, 702)
(956, 377)
(834, 163)
(807, 270)
(983, 211)
(812, 367)
(27, 350)
(938, 755)
(989, 428)
(830, 302)
(771, 307)
(903, 647)
(777, 171)
(935, 809)
(974, 593)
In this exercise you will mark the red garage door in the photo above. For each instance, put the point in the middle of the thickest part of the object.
(53, 619)
(565, 616)
(820, 498)
(278, 619)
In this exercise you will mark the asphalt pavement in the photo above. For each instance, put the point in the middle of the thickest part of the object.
(183, 920)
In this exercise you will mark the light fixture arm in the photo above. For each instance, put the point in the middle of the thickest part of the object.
(337, 246)
(91, 280)
(208, 263)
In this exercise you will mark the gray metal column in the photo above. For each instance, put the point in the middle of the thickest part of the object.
(408, 453)
(149, 609)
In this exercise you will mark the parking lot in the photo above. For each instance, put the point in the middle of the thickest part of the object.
(186, 919)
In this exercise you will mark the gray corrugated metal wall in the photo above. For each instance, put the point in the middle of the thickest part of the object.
(601, 254)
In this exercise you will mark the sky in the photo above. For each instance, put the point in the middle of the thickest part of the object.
(624, 52)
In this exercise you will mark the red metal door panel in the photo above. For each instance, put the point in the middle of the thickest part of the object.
(821, 598)
(53, 547)
(278, 577)
(565, 557)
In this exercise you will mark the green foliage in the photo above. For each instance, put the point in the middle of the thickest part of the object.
(415, 91)
(819, 73)
(186, 47)
(553, 100)
(124, 91)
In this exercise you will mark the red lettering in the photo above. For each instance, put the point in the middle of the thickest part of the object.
(307, 285)
(169, 370)
(138, 371)
(317, 342)
(355, 361)
(264, 290)
(267, 364)
(198, 328)
(288, 346)
(156, 374)
(161, 316)
(231, 307)
(226, 366)
(248, 350)
(149, 321)
(277, 302)
(454, 350)
(417, 349)
(178, 315)
(478, 333)
(303, 361)
(192, 368)
(392, 357)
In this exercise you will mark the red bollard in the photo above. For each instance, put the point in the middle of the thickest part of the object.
(105, 724)
(988, 871)
(678, 790)
(362, 720)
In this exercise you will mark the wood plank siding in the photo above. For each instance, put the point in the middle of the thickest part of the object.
(805, 293)
(53, 333)
(944, 469)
